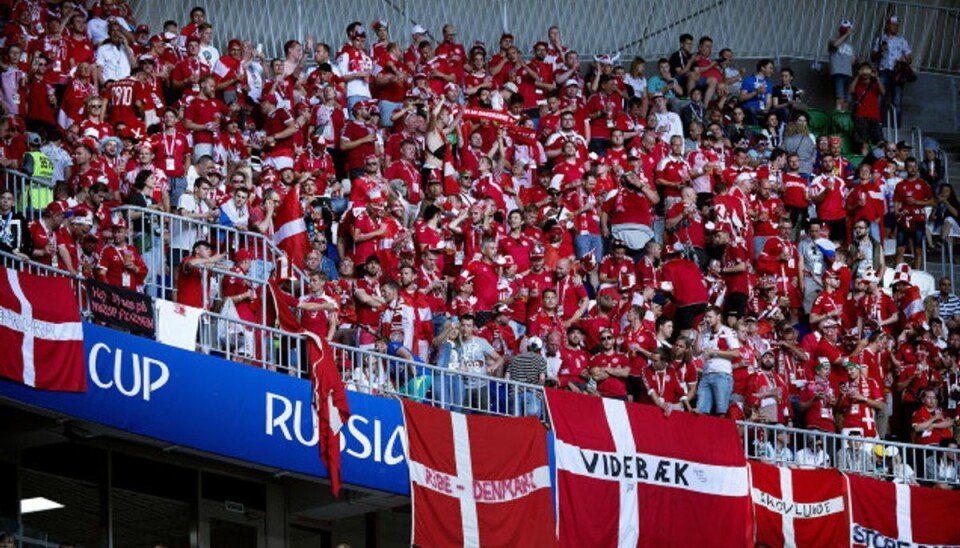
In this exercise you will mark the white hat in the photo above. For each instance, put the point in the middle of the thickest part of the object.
(902, 274)
(556, 181)
(870, 276)
(419, 29)
(534, 344)
(511, 87)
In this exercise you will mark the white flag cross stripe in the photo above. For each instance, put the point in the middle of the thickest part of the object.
(904, 519)
(628, 467)
(790, 510)
(32, 329)
(470, 491)
(288, 229)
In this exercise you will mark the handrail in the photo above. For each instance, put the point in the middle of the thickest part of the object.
(9, 260)
(152, 226)
(454, 390)
(468, 392)
(246, 342)
(902, 462)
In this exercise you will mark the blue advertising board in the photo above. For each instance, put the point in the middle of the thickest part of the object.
(226, 408)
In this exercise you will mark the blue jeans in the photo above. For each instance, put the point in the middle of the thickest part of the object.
(892, 97)
(713, 393)
(450, 384)
(178, 186)
(583, 243)
(526, 404)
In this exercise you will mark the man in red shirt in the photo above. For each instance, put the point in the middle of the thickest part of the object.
(684, 280)
(204, 117)
(193, 275)
(603, 108)
(609, 368)
(359, 138)
(911, 196)
(628, 213)
(663, 387)
(574, 360)
(120, 263)
(673, 173)
(484, 272)
(278, 130)
(930, 423)
(827, 193)
(861, 398)
(50, 237)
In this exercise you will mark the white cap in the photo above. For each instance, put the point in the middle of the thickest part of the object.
(556, 181)
(419, 29)
(534, 344)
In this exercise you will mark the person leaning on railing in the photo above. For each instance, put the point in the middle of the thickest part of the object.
(15, 237)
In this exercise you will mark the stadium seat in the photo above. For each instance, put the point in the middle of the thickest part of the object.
(841, 123)
(819, 121)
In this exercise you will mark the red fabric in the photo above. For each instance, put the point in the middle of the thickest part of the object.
(291, 233)
(929, 513)
(55, 359)
(490, 472)
(799, 507)
(589, 431)
(327, 386)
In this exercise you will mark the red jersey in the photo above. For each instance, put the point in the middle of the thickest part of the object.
(611, 386)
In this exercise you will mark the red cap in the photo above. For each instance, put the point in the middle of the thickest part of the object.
(193, 38)
(91, 144)
(119, 222)
(235, 43)
(242, 255)
(58, 207)
(143, 28)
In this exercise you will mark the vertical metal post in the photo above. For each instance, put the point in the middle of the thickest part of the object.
(817, 53)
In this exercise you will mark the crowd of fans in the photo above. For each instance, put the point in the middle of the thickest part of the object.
(681, 240)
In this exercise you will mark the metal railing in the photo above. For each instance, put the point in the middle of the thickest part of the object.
(751, 29)
(165, 239)
(15, 262)
(30, 195)
(454, 390)
(899, 462)
(251, 343)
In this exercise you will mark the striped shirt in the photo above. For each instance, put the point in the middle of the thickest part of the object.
(527, 367)
(949, 306)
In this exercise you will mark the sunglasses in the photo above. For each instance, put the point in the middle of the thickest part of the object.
(606, 338)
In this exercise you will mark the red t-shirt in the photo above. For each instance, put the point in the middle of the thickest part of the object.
(611, 386)
(203, 111)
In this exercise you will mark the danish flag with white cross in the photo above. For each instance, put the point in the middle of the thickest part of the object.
(41, 335)
(628, 476)
(478, 481)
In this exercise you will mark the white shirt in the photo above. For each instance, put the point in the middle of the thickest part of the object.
(113, 62)
(668, 125)
(897, 47)
(711, 340)
(209, 55)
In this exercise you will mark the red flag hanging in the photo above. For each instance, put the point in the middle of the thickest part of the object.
(40, 332)
(329, 395)
(291, 230)
(641, 479)
(893, 514)
(799, 507)
(477, 481)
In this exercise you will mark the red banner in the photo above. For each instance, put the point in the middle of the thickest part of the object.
(477, 481)
(892, 514)
(799, 507)
(628, 476)
(291, 229)
(40, 332)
